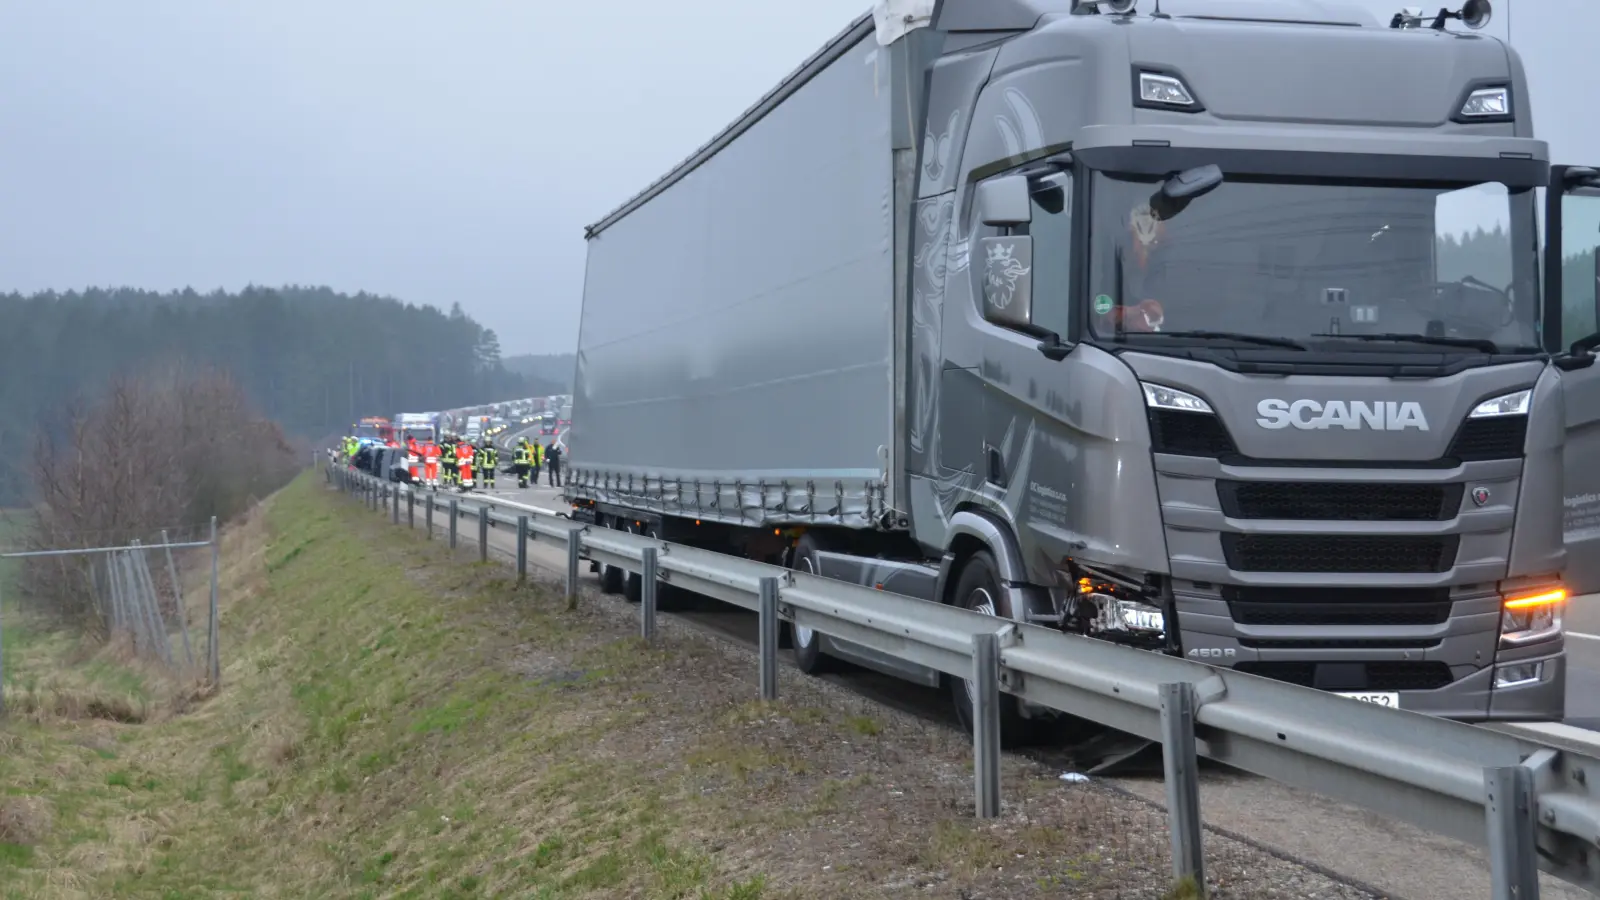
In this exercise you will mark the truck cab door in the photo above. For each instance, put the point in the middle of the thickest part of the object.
(1572, 292)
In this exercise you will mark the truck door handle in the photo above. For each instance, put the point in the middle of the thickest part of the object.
(996, 465)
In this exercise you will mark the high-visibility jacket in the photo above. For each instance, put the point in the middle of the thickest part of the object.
(491, 456)
(538, 454)
(430, 451)
(520, 456)
(449, 453)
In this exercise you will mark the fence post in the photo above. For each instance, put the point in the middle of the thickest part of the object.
(574, 550)
(1513, 857)
(216, 557)
(522, 549)
(986, 723)
(1182, 771)
(394, 517)
(411, 510)
(768, 643)
(483, 534)
(428, 517)
(649, 595)
(455, 517)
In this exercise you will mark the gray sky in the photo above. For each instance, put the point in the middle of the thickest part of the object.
(434, 151)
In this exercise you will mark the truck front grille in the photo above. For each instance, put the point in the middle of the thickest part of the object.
(1346, 502)
(1341, 676)
(1339, 553)
(1337, 606)
(1500, 437)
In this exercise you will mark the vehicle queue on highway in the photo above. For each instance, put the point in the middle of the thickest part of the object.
(454, 462)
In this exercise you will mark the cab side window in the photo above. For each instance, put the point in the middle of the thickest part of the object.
(1580, 265)
(1051, 230)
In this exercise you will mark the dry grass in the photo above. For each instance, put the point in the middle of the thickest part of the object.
(394, 725)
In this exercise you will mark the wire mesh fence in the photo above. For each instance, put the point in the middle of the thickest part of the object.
(136, 592)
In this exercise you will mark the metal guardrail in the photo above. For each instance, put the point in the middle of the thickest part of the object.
(1528, 802)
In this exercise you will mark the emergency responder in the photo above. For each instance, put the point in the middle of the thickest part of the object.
(430, 463)
(552, 458)
(466, 462)
(448, 461)
(536, 459)
(413, 458)
(521, 459)
(488, 461)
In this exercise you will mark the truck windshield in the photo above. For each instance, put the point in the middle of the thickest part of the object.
(1369, 265)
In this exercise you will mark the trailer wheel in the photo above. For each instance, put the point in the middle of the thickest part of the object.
(808, 655)
(978, 589)
(611, 576)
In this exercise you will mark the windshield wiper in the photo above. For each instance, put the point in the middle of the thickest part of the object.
(1482, 345)
(1232, 336)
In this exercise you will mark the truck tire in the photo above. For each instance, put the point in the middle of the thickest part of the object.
(978, 589)
(808, 655)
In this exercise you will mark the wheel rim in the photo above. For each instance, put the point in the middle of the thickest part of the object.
(803, 636)
(983, 602)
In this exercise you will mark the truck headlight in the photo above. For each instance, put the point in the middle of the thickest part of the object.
(1530, 618)
(1158, 396)
(1512, 404)
(1487, 103)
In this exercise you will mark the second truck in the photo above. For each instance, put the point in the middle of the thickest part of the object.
(1222, 330)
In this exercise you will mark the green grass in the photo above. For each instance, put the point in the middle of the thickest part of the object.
(372, 739)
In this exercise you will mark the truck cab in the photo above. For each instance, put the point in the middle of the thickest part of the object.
(1244, 340)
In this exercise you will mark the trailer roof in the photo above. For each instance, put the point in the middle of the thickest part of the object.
(792, 82)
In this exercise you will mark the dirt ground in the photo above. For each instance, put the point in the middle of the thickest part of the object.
(396, 724)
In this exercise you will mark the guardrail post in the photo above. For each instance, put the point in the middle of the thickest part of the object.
(394, 518)
(411, 510)
(455, 518)
(986, 723)
(1510, 808)
(768, 642)
(483, 534)
(522, 549)
(1182, 770)
(574, 550)
(427, 516)
(650, 587)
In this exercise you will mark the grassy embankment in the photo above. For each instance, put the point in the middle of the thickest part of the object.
(372, 739)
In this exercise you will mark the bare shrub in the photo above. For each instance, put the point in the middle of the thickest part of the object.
(167, 448)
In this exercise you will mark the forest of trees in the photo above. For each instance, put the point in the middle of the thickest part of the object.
(1482, 255)
(309, 358)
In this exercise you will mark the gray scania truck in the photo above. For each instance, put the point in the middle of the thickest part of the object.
(1223, 328)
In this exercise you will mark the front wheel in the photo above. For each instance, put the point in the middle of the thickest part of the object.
(978, 589)
(808, 655)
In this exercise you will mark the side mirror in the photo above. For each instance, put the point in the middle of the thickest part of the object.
(1004, 202)
(1008, 280)
(1181, 189)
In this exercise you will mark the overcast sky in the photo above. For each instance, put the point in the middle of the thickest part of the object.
(434, 151)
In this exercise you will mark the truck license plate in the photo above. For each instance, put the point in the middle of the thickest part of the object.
(1377, 699)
